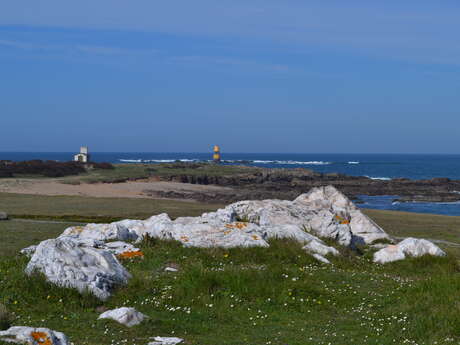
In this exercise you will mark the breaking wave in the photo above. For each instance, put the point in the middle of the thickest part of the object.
(291, 162)
(380, 178)
(281, 162)
(158, 160)
(352, 162)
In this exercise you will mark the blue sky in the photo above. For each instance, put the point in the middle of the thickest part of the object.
(252, 76)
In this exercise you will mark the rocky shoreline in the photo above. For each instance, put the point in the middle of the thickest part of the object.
(263, 183)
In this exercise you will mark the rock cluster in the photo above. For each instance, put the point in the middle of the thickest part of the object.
(86, 257)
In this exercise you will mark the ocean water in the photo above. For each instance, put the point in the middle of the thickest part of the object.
(375, 166)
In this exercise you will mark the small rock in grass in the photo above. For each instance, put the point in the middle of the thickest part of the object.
(321, 258)
(171, 269)
(126, 316)
(409, 247)
(33, 336)
(166, 341)
(3, 216)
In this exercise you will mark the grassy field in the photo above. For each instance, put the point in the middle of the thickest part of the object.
(86, 209)
(278, 295)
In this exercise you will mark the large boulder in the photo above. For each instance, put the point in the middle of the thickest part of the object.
(331, 207)
(126, 316)
(412, 247)
(33, 336)
(323, 212)
(69, 261)
(3, 216)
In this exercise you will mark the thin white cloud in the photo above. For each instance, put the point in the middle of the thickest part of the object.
(425, 32)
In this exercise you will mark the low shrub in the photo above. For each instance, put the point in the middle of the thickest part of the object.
(43, 168)
(5, 318)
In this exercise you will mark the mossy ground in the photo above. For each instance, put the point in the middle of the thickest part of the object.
(277, 295)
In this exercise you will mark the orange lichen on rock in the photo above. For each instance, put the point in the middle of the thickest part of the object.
(41, 338)
(255, 237)
(131, 255)
(184, 238)
(342, 220)
(238, 225)
(227, 232)
(77, 230)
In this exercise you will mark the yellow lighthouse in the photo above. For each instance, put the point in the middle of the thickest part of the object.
(216, 156)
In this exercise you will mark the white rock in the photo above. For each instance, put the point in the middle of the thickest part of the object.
(126, 316)
(321, 258)
(166, 341)
(171, 269)
(72, 262)
(419, 247)
(29, 251)
(409, 247)
(33, 336)
(389, 254)
(119, 247)
(319, 247)
(332, 205)
(323, 211)
(104, 232)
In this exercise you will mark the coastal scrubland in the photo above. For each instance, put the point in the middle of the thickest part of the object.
(276, 295)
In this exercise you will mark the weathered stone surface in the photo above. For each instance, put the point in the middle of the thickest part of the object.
(3, 216)
(389, 254)
(119, 247)
(103, 232)
(126, 316)
(419, 247)
(409, 247)
(332, 207)
(33, 336)
(69, 261)
(29, 251)
(323, 212)
(166, 341)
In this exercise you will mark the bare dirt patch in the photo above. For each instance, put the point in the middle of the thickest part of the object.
(129, 189)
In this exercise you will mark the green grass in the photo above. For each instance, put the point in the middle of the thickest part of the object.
(277, 295)
(121, 173)
(208, 169)
(87, 209)
(16, 234)
(125, 172)
(418, 225)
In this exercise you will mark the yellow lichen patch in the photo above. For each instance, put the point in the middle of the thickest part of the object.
(131, 255)
(227, 232)
(41, 338)
(255, 237)
(342, 220)
(77, 230)
(238, 225)
(184, 238)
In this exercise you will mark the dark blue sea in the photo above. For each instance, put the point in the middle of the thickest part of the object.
(375, 166)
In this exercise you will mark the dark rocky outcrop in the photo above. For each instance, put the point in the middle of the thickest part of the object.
(262, 183)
